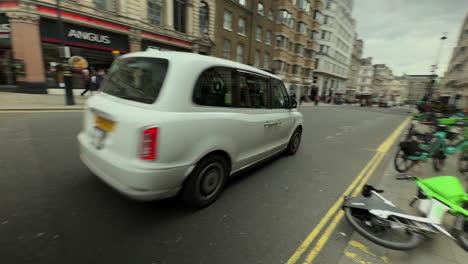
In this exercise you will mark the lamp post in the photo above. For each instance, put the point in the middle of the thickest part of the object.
(434, 67)
(64, 53)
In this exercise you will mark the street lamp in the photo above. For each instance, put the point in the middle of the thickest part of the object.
(434, 67)
(65, 54)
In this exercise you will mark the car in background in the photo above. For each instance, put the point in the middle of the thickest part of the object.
(174, 123)
(384, 103)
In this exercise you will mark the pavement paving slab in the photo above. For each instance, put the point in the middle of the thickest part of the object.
(17, 101)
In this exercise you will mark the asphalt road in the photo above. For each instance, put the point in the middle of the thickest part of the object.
(54, 210)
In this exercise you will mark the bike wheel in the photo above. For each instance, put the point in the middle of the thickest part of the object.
(401, 162)
(463, 161)
(389, 233)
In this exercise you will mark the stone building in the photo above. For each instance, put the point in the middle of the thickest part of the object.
(95, 30)
(356, 62)
(335, 47)
(456, 78)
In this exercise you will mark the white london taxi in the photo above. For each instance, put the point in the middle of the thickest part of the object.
(167, 123)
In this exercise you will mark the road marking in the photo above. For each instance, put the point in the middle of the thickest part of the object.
(362, 247)
(331, 227)
(385, 147)
(309, 239)
(373, 150)
(356, 258)
(40, 111)
(327, 138)
(376, 159)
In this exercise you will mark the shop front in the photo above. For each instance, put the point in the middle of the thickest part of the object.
(96, 46)
(6, 57)
(162, 46)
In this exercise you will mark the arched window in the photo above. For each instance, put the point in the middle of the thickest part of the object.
(155, 12)
(179, 15)
(204, 18)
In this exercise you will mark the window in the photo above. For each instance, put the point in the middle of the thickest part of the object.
(282, 42)
(136, 79)
(331, 5)
(241, 26)
(227, 21)
(253, 91)
(256, 59)
(301, 27)
(214, 87)
(317, 61)
(326, 35)
(304, 4)
(204, 18)
(226, 53)
(109, 5)
(242, 2)
(296, 69)
(179, 15)
(266, 61)
(260, 9)
(290, 46)
(298, 49)
(270, 15)
(258, 35)
(318, 16)
(240, 53)
(291, 22)
(268, 37)
(328, 20)
(324, 49)
(294, 2)
(309, 53)
(155, 12)
(280, 95)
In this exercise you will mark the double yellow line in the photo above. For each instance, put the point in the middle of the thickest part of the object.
(360, 180)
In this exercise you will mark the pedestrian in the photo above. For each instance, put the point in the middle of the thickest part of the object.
(317, 99)
(96, 80)
(86, 81)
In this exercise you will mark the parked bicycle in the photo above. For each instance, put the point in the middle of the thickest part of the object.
(433, 146)
(381, 222)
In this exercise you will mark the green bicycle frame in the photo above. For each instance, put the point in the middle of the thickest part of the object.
(430, 150)
(446, 189)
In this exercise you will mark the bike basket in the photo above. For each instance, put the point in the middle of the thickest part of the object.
(411, 148)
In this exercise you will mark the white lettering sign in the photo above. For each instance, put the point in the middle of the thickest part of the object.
(4, 27)
(88, 36)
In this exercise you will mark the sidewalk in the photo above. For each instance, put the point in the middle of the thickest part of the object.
(12, 101)
(436, 249)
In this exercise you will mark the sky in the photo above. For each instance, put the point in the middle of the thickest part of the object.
(405, 34)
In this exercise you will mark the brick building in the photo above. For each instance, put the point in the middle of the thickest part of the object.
(272, 35)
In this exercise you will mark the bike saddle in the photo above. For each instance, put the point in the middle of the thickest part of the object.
(366, 191)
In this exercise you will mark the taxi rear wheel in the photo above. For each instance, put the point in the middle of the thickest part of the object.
(206, 182)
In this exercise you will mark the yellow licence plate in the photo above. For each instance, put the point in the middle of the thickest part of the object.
(104, 124)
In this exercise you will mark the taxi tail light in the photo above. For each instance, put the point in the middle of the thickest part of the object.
(149, 142)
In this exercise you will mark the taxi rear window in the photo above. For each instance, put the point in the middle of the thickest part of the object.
(136, 79)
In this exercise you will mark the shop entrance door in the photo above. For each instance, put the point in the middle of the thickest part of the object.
(6, 74)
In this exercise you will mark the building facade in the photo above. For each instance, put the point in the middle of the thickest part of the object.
(456, 78)
(335, 47)
(417, 85)
(244, 31)
(365, 80)
(356, 62)
(273, 35)
(95, 30)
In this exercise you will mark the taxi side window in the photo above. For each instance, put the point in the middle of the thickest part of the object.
(253, 91)
(280, 95)
(214, 87)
